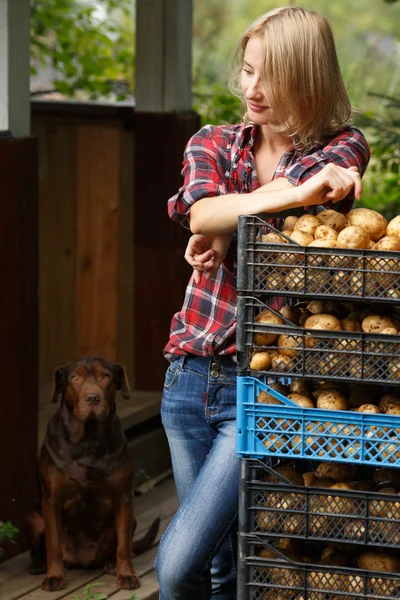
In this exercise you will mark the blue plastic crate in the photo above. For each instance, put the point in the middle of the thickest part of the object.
(286, 430)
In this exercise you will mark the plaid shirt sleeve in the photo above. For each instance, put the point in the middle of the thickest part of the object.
(201, 174)
(347, 149)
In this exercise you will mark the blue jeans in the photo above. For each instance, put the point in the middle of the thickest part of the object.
(198, 552)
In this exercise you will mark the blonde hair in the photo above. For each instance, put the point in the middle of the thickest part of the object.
(301, 72)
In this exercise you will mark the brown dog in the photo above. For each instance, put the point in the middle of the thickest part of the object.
(85, 473)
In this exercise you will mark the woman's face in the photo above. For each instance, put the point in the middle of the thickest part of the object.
(253, 88)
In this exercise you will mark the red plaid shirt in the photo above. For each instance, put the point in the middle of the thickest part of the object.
(219, 160)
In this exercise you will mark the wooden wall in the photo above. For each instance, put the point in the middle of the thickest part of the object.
(111, 266)
(85, 233)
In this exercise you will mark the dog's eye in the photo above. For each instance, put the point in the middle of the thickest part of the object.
(74, 377)
(106, 376)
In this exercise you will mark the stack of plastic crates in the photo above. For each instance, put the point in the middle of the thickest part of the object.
(284, 434)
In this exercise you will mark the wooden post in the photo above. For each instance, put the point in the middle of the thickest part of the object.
(163, 56)
(14, 67)
(164, 123)
(18, 247)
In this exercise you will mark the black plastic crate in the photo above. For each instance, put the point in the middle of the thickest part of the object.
(332, 355)
(293, 270)
(281, 579)
(284, 510)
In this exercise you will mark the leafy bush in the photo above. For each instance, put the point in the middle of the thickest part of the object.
(8, 533)
(382, 180)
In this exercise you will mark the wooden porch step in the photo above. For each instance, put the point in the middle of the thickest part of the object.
(140, 407)
(17, 584)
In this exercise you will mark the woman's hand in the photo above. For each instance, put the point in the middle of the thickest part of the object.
(206, 254)
(332, 183)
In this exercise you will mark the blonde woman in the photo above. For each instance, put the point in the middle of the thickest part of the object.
(295, 148)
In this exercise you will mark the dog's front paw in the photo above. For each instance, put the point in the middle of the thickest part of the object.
(53, 584)
(128, 582)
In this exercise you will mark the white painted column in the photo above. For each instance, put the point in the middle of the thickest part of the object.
(14, 67)
(163, 55)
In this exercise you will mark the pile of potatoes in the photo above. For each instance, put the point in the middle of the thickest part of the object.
(325, 315)
(334, 396)
(361, 228)
(332, 515)
(320, 583)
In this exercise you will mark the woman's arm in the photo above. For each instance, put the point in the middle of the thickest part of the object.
(213, 216)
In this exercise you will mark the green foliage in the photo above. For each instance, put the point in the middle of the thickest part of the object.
(89, 595)
(91, 48)
(218, 106)
(8, 533)
(382, 180)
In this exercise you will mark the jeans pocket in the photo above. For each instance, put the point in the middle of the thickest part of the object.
(171, 376)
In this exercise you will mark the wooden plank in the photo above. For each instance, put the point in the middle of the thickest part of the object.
(149, 590)
(125, 349)
(150, 454)
(155, 497)
(29, 586)
(57, 248)
(98, 156)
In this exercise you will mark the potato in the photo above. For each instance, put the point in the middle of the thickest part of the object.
(333, 219)
(376, 561)
(276, 443)
(331, 400)
(287, 232)
(324, 232)
(388, 243)
(393, 409)
(304, 316)
(390, 450)
(350, 324)
(324, 243)
(371, 221)
(301, 400)
(282, 363)
(369, 409)
(260, 361)
(288, 473)
(393, 228)
(273, 238)
(388, 400)
(289, 345)
(353, 237)
(309, 479)
(388, 331)
(291, 313)
(300, 386)
(302, 238)
(323, 322)
(394, 369)
(265, 398)
(336, 471)
(267, 317)
(307, 224)
(317, 307)
(375, 323)
(290, 222)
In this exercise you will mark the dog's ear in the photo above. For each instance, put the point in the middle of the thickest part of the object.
(121, 381)
(58, 383)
